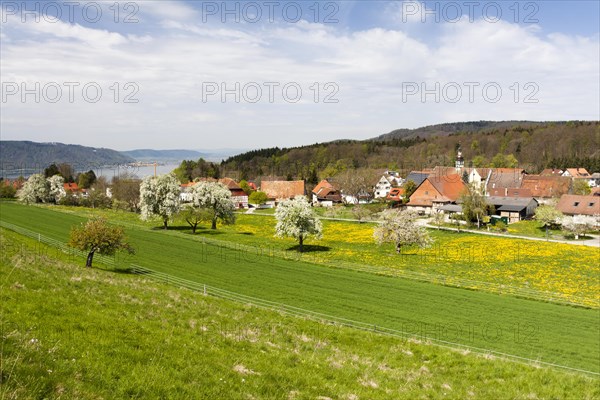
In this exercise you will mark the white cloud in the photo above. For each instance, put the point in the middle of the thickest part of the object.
(171, 61)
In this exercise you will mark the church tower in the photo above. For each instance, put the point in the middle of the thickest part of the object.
(460, 161)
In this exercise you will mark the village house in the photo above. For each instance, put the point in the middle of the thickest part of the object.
(576, 173)
(546, 188)
(572, 204)
(238, 196)
(278, 191)
(476, 176)
(74, 190)
(395, 195)
(185, 195)
(504, 178)
(325, 194)
(436, 191)
(594, 180)
(388, 181)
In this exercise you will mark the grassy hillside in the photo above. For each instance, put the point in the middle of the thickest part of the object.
(71, 333)
(520, 327)
(32, 155)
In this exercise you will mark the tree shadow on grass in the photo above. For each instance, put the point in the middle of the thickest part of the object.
(208, 231)
(245, 233)
(309, 248)
(125, 271)
(173, 228)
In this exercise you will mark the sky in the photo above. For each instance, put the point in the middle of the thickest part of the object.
(252, 74)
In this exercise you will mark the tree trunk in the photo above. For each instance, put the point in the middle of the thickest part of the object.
(165, 223)
(194, 228)
(90, 257)
(398, 248)
(301, 239)
(214, 223)
(546, 231)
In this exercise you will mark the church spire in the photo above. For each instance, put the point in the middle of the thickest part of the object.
(460, 161)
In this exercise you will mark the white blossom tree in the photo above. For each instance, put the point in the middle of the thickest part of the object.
(438, 218)
(400, 228)
(578, 224)
(548, 216)
(216, 199)
(56, 189)
(35, 190)
(296, 218)
(159, 196)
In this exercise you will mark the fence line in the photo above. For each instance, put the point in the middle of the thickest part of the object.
(334, 320)
(55, 243)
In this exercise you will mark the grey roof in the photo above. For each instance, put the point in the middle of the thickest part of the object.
(451, 208)
(512, 208)
(510, 201)
(417, 177)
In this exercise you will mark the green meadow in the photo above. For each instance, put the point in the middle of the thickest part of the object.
(74, 333)
(534, 330)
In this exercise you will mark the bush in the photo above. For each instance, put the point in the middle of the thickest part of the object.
(7, 191)
(500, 226)
(257, 198)
(96, 200)
(69, 200)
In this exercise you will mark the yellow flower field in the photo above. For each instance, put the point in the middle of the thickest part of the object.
(569, 273)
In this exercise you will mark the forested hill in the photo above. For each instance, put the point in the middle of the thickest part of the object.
(26, 154)
(530, 145)
(454, 127)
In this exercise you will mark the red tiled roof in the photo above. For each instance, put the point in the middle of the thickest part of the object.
(449, 186)
(282, 189)
(578, 172)
(573, 204)
(546, 186)
(71, 186)
(324, 184)
(446, 189)
(230, 183)
(395, 194)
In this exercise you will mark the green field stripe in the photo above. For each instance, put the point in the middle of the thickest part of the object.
(300, 312)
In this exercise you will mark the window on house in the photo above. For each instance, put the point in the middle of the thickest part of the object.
(592, 204)
(576, 204)
(426, 192)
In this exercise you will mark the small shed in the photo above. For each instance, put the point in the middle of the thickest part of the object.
(513, 208)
